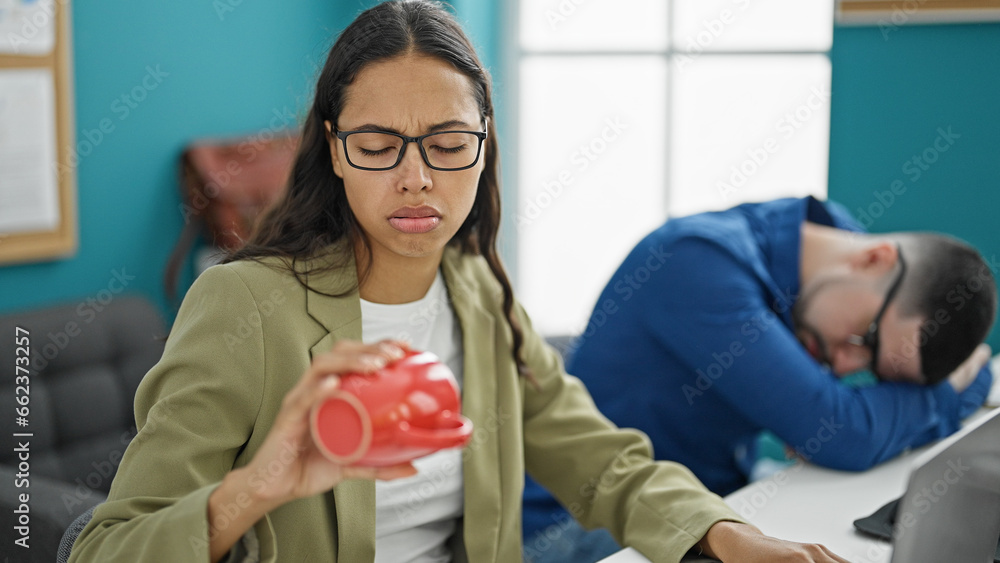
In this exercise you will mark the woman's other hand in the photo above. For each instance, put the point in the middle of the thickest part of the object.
(743, 543)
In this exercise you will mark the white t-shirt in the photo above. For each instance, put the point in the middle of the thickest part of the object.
(415, 516)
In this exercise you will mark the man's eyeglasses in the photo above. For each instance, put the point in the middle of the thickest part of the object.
(383, 150)
(871, 338)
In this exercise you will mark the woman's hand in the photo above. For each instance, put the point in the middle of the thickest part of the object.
(732, 542)
(289, 465)
(966, 372)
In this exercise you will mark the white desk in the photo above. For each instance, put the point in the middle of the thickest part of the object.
(811, 504)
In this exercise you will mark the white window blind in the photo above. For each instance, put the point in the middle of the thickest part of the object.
(632, 111)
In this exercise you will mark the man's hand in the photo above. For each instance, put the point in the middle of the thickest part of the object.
(965, 374)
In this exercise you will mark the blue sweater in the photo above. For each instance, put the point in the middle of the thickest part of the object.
(692, 342)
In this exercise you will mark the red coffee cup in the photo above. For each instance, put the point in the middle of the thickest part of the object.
(408, 409)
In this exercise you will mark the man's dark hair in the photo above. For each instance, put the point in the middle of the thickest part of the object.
(950, 286)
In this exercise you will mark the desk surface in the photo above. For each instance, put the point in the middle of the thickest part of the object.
(811, 504)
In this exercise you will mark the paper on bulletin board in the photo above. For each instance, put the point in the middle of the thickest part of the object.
(27, 27)
(29, 193)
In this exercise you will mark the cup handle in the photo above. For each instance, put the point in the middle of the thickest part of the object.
(453, 430)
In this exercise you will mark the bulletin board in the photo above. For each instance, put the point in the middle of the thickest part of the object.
(38, 160)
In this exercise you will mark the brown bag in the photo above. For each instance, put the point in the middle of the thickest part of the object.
(225, 186)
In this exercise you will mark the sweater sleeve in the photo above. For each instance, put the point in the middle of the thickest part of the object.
(769, 377)
(195, 411)
(603, 475)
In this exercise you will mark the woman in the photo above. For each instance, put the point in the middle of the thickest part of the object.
(377, 238)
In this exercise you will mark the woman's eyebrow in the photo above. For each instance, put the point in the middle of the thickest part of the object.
(448, 125)
(444, 125)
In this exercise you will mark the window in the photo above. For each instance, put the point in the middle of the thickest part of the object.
(632, 111)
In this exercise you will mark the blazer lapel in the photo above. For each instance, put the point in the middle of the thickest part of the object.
(340, 315)
(481, 460)
(354, 500)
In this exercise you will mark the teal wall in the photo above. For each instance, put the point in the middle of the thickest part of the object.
(217, 68)
(894, 93)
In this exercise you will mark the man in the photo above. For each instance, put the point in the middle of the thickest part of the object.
(722, 325)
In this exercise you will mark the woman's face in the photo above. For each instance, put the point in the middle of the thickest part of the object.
(411, 210)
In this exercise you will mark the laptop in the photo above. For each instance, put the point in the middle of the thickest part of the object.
(951, 508)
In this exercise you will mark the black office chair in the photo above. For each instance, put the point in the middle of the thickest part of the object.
(71, 533)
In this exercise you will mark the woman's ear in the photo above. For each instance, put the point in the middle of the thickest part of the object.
(334, 150)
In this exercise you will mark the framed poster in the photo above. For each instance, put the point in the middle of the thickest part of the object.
(38, 215)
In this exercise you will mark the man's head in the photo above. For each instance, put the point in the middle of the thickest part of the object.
(921, 301)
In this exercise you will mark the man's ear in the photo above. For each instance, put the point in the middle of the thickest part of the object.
(878, 258)
(334, 150)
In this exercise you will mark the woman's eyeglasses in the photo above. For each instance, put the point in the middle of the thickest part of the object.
(383, 150)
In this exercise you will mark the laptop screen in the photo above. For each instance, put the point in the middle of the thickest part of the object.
(951, 508)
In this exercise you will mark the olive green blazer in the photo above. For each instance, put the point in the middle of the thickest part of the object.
(246, 333)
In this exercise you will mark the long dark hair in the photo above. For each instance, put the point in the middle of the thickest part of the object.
(314, 212)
